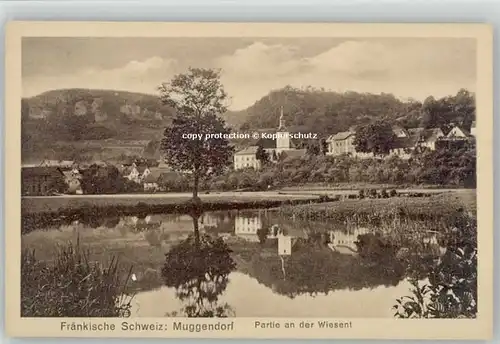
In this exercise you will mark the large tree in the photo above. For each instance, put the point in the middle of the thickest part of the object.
(198, 98)
(377, 138)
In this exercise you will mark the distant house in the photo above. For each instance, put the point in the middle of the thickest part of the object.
(137, 173)
(403, 147)
(39, 181)
(343, 143)
(399, 131)
(152, 180)
(246, 158)
(458, 133)
(429, 137)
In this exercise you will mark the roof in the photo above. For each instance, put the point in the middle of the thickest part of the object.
(399, 129)
(465, 132)
(431, 134)
(293, 153)
(27, 172)
(405, 142)
(413, 131)
(341, 136)
(141, 168)
(252, 150)
(156, 173)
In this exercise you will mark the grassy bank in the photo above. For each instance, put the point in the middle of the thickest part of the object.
(72, 285)
(434, 207)
(361, 186)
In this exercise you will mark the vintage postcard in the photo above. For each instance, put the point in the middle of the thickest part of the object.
(249, 180)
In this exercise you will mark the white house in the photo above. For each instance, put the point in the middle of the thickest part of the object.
(246, 158)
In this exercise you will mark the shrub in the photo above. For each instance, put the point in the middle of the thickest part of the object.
(393, 193)
(361, 194)
(72, 286)
(384, 194)
(452, 288)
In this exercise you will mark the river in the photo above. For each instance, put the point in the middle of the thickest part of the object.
(268, 266)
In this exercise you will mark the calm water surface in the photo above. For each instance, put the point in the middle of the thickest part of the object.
(282, 267)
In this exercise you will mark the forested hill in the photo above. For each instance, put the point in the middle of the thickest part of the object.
(328, 112)
(60, 123)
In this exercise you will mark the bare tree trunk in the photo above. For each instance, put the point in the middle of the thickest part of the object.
(196, 182)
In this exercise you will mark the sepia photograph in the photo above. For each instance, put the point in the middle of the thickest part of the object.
(250, 176)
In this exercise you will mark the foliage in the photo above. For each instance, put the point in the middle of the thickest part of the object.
(451, 290)
(198, 268)
(438, 208)
(441, 112)
(441, 167)
(72, 286)
(326, 112)
(106, 180)
(261, 155)
(198, 98)
(377, 138)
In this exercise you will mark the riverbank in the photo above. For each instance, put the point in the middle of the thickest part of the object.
(433, 207)
(170, 202)
(315, 187)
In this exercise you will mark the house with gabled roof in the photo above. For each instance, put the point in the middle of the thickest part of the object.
(41, 180)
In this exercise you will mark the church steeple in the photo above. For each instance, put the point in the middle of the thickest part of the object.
(282, 120)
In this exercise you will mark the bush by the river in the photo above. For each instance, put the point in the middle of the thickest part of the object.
(451, 289)
(454, 168)
(72, 285)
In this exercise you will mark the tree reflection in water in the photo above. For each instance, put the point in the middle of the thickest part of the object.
(198, 268)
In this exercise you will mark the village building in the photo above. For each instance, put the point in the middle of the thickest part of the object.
(399, 131)
(458, 133)
(282, 144)
(40, 181)
(136, 173)
(429, 137)
(343, 143)
(152, 181)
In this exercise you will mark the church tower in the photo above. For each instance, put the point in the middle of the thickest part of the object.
(283, 139)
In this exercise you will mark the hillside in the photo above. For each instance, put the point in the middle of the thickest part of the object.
(326, 112)
(107, 125)
(82, 121)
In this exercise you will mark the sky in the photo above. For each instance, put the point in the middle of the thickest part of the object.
(252, 67)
